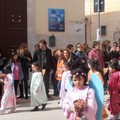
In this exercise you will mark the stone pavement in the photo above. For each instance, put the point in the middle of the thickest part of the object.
(106, 100)
(52, 111)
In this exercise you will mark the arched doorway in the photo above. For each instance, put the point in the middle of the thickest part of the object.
(13, 24)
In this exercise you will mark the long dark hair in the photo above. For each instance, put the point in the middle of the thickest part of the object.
(12, 54)
(114, 64)
(94, 63)
(95, 43)
(36, 64)
(7, 69)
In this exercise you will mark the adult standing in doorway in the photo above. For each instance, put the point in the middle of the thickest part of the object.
(44, 57)
(26, 60)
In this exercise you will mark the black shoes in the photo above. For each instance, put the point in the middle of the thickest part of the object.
(55, 94)
(48, 96)
(43, 106)
(21, 96)
(26, 97)
(35, 108)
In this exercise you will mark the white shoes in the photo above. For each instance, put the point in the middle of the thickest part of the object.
(12, 110)
(2, 112)
(116, 117)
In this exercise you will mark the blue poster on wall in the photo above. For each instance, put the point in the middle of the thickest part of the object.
(56, 19)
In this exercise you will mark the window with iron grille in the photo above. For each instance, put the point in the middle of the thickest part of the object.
(101, 5)
(103, 30)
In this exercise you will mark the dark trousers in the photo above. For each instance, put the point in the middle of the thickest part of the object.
(1, 90)
(54, 82)
(59, 85)
(46, 79)
(25, 83)
(106, 78)
(16, 82)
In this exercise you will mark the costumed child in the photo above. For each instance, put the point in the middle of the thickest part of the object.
(38, 93)
(114, 89)
(8, 98)
(16, 70)
(66, 83)
(80, 103)
(96, 82)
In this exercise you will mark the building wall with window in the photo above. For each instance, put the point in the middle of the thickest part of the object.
(38, 22)
(109, 20)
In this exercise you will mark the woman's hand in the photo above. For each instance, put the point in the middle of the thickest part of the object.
(29, 59)
(83, 61)
(2, 75)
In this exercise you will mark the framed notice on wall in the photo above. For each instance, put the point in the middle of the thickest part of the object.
(56, 18)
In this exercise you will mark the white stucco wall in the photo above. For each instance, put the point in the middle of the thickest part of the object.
(31, 25)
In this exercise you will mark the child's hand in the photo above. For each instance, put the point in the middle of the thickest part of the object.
(72, 109)
(78, 118)
(36, 91)
(1, 80)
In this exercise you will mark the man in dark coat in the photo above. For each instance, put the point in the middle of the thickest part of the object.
(44, 57)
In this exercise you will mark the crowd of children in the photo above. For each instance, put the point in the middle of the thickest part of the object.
(77, 78)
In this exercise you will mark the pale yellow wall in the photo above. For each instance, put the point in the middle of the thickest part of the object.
(110, 6)
(88, 7)
(74, 11)
(110, 17)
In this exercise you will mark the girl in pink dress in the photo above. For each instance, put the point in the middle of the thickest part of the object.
(8, 98)
(80, 103)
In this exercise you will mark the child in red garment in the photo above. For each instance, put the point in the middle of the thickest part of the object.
(114, 89)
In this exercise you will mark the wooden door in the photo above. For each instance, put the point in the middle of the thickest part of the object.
(2, 24)
(15, 14)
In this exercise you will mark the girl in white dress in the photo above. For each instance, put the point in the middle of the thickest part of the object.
(38, 93)
(66, 83)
